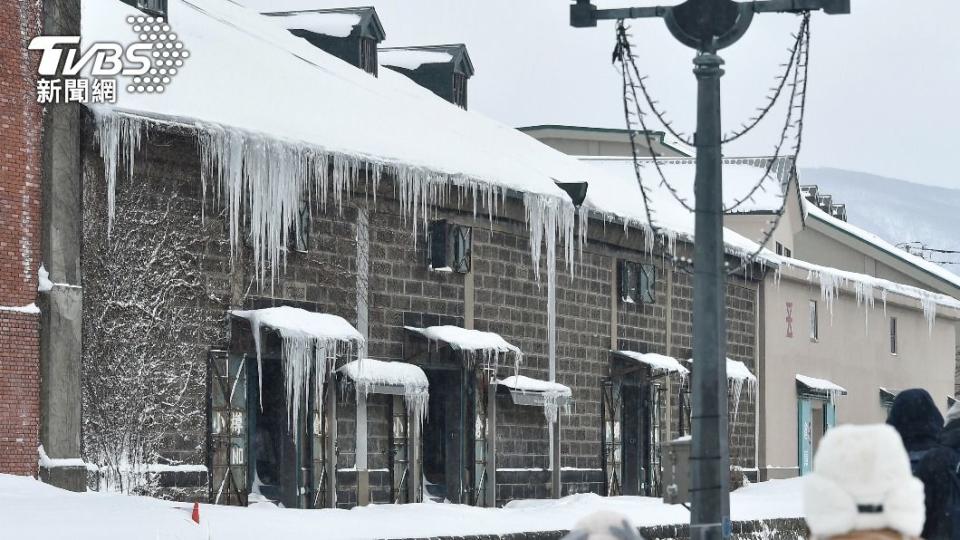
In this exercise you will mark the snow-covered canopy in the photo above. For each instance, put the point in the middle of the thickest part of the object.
(833, 389)
(310, 342)
(412, 58)
(657, 362)
(551, 395)
(328, 23)
(472, 343)
(371, 375)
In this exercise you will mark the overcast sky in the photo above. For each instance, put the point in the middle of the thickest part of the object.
(883, 89)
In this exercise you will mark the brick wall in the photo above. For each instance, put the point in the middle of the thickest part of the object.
(19, 240)
(402, 291)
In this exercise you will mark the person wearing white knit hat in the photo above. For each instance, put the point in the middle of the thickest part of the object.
(862, 488)
(604, 525)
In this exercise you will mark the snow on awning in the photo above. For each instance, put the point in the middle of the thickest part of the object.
(472, 343)
(371, 376)
(310, 341)
(815, 386)
(657, 362)
(528, 391)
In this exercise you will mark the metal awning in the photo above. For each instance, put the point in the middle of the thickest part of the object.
(819, 388)
(656, 362)
(380, 377)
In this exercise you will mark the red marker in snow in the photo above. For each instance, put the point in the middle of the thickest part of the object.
(196, 512)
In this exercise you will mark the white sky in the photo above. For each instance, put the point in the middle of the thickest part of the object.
(883, 90)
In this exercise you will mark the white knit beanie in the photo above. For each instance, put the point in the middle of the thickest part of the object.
(953, 413)
(861, 482)
(604, 525)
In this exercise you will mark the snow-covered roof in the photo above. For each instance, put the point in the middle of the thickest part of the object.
(824, 385)
(369, 371)
(528, 384)
(328, 23)
(656, 361)
(248, 73)
(399, 378)
(462, 339)
(411, 58)
(879, 243)
(737, 370)
(291, 322)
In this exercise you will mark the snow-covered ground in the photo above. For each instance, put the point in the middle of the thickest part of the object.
(32, 510)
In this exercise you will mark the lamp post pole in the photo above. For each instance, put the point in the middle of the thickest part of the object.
(708, 26)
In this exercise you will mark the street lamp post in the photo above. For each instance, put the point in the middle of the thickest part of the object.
(708, 26)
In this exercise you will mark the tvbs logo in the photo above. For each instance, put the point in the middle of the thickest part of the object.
(147, 65)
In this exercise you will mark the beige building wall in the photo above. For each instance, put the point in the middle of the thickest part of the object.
(753, 226)
(852, 350)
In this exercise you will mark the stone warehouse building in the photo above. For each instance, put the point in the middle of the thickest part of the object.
(194, 219)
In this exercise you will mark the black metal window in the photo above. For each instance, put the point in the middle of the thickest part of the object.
(460, 90)
(449, 247)
(227, 428)
(368, 55)
(151, 7)
(300, 236)
(637, 282)
(893, 335)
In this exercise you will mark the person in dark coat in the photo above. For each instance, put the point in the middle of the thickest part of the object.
(915, 416)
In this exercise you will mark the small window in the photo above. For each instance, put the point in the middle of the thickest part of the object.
(449, 247)
(787, 252)
(637, 283)
(460, 90)
(151, 7)
(368, 55)
(893, 335)
(779, 248)
(814, 321)
(300, 237)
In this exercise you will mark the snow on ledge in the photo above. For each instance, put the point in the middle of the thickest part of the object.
(328, 24)
(528, 384)
(831, 388)
(311, 342)
(47, 462)
(554, 395)
(411, 58)
(469, 341)
(29, 309)
(656, 361)
(366, 373)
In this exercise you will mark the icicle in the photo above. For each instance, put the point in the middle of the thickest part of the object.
(929, 305)
(119, 140)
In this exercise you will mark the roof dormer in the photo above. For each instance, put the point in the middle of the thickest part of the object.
(442, 69)
(350, 34)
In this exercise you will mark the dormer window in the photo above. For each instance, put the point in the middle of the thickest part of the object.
(441, 69)
(460, 90)
(350, 34)
(157, 8)
(368, 55)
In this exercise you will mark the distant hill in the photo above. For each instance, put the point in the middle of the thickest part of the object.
(896, 210)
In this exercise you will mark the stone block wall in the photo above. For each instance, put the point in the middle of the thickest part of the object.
(159, 211)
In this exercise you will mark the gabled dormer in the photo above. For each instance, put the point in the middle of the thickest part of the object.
(442, 69)
(157, 8)
(350, 34)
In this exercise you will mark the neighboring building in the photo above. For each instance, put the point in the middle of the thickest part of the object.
(590, 141)
(846, 320)
(20, 241)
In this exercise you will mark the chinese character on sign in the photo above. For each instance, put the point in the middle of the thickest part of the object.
(77, 90)
(104, 91)
(48, 90)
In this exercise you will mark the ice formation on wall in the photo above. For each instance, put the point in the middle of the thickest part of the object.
(310, 343)
(369, 372)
